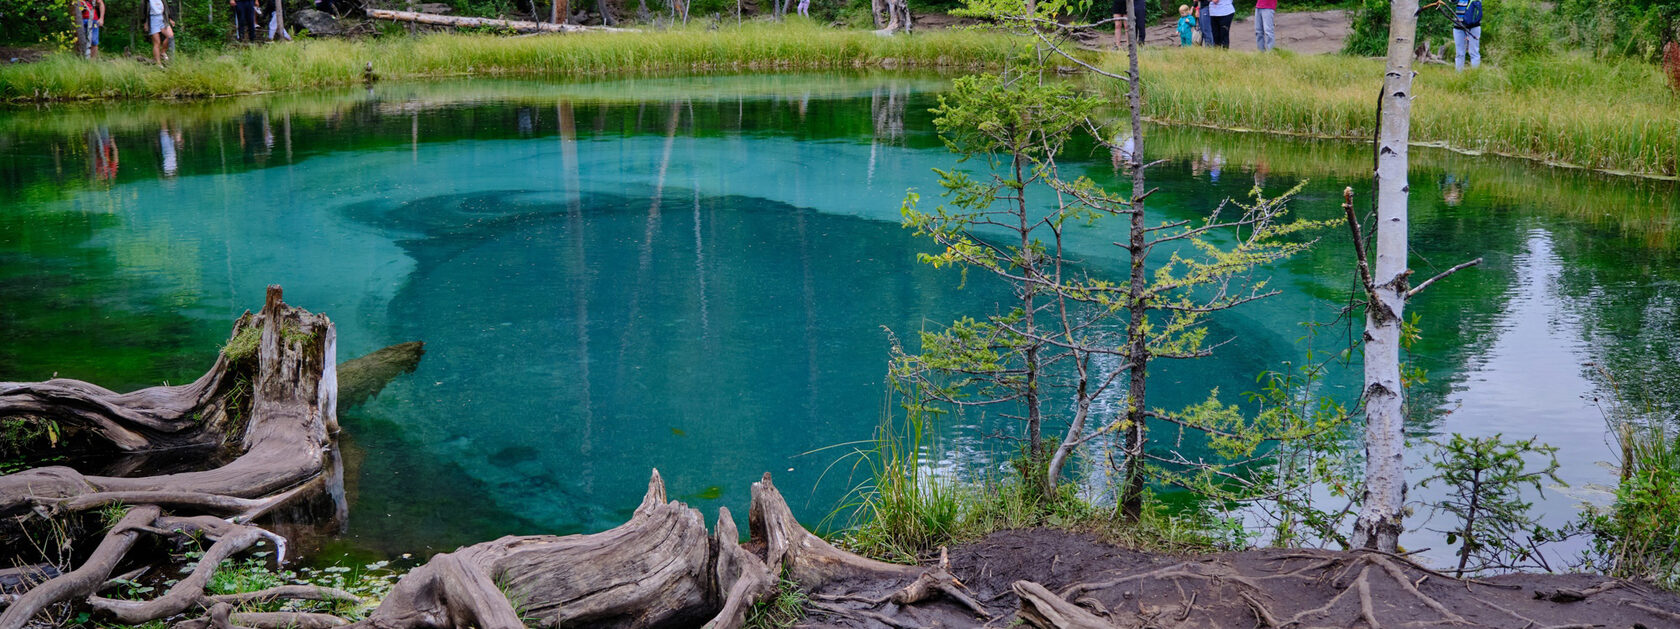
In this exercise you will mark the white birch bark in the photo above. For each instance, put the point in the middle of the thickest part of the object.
(1378, 525)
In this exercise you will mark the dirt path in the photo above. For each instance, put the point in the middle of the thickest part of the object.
(1306, 32)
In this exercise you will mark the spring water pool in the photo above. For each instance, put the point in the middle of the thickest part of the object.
(699, 275)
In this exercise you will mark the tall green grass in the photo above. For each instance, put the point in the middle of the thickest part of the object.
(1638, 536)
(1566, 109)
(902, 511)
(321, 63)
(1640, 210)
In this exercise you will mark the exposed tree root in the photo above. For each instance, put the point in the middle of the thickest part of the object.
(293, 400)
(271, 411)
(1041, 608)
(269, 403)
(84, 580)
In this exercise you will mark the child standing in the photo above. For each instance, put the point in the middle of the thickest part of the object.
(1186, 25)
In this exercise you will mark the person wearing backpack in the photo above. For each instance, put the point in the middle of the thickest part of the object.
(90, 15)
(1467, 33)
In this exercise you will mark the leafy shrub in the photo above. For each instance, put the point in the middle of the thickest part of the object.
(1638, 536)
(1633, 28)
(37, 21)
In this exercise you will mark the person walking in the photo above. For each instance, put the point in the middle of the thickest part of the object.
(1467, 33)
(1222, 12)
(90, 17)
(1264, 12)
(804, 8)
(160, 28)
(1121, 14)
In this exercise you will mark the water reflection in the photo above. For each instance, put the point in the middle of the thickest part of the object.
(695, 276)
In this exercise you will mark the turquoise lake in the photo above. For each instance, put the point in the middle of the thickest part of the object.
(700, 275)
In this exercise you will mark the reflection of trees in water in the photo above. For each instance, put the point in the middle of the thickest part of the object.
(1629, 312)
(886, 108)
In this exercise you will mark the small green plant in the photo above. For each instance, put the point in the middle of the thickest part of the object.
(19, 434)
(898, 512)
(1485, 478)
(783, 608)
(1637, 536)
(292, 335)
(243, 345)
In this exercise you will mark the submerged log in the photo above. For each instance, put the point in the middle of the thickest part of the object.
(477, 22)
(360, 379)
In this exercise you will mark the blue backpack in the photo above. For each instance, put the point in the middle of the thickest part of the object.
(1472, 14)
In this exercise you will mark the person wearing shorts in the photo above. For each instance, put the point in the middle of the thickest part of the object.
(92, 16)
(160, 28)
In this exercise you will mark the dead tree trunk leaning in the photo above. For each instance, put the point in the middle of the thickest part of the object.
(474, 22)
(1378, 525)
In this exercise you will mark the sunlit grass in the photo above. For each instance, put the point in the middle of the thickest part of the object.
(321, 63)
(1617, 116)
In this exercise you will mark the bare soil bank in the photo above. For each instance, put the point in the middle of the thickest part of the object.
(1262, 588)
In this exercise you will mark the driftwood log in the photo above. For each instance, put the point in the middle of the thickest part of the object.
(662, 568)
(268, 406)
(475, 22)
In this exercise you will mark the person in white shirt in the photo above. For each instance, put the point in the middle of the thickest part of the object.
(160, 27)
(1222, 11)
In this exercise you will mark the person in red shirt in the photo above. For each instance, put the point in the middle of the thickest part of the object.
(91, 16)
(1264, 11)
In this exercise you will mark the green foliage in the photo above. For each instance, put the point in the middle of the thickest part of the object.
(37, 22)
(1632, 28)
(290, 334)
(1277, 457)
(1510, 28)
(1638, 536)
(243, 345)
(1485, 478)
(898, 512)
(21, 434)
(1548, 107)
(369, 583)
(784, 608)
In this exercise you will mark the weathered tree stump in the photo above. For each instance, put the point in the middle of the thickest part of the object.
(269, 402)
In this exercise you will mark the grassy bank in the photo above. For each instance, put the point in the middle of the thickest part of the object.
(323, 63)
(1615, 116)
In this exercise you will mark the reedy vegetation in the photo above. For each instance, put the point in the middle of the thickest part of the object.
(321, 63)
(1612, 115)
(1638, 535)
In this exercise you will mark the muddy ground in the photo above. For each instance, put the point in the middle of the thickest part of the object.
(1259, 588)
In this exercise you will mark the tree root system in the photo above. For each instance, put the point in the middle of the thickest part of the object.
(270, 405)
(261, 423)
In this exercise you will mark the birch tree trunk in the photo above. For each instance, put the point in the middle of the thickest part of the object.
(1378, 525)
(1137, 335)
